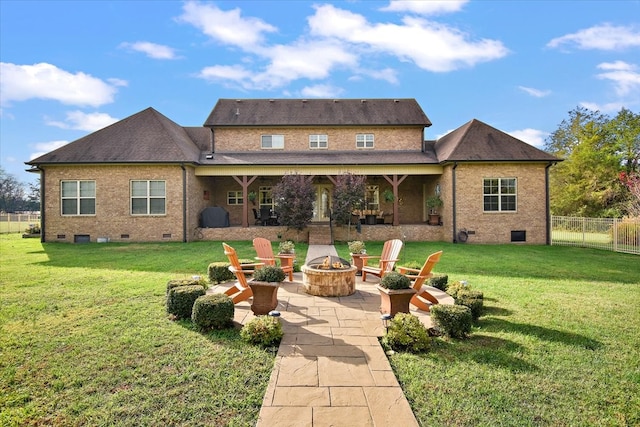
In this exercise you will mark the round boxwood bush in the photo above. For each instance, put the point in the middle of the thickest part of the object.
(472, 299)
(213, 311)
(394, 280)
(407, 333)
(455, 287)
(262, 330)
(218, 272)
(439, 281)
(181, 299)
(269, 273)
(452, 320)
(175, 283)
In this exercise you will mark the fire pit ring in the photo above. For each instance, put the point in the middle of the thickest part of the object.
(329, 276)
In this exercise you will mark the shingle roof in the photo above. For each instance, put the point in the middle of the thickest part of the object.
(477, 141)
(317, 112)
(147, 136)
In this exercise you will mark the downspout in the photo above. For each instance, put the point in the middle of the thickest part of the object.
(42, 210)
(184, 203)
(547, 201)
(453, 196)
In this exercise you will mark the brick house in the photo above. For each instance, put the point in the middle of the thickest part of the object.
(146, 178)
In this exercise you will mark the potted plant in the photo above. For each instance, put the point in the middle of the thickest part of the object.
(264, 285)
(252, 197)
(387, 195)
(357, 251)
(395, 293)
(433, 203)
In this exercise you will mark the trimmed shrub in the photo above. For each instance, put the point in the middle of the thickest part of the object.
(472, 299)
(269, 273)
(455, 287)
(262, 330)
(452, 320)
(213, 311)
(218, 272)
(394, 280)
(175, 283)
(439, 281)
(181, 299)
(407, 333)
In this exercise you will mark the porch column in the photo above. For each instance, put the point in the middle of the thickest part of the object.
(244, 182)
(395, 183)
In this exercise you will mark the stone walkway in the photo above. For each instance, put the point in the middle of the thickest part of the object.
(330, 369)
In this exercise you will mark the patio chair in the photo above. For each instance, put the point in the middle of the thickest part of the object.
(256, 216)
(425, 296)
(265, 255)
(241, 290)
(387, 260)
(265, 215)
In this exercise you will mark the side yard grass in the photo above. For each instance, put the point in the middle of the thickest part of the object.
(85, 340)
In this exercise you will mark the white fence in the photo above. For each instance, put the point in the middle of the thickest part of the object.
(613, 234)
(17, 223)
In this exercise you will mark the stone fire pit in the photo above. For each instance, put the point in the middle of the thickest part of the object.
(329, 276)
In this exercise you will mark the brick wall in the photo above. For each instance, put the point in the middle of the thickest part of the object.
(496, 227)
(113, 219)
(297, 139)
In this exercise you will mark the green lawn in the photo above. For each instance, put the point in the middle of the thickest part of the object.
(85, 340)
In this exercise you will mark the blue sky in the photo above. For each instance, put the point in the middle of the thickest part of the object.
(72, 67)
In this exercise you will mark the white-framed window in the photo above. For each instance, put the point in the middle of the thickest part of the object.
(234, 197)
(318, 141)
(265, 197)
(78, 197)
(148, 197)
(499, 194)
(272, 141)
(364, 140)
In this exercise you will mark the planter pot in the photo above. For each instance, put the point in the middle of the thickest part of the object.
(395, 301)
(265, 296)
(434, 219)
(356, 260)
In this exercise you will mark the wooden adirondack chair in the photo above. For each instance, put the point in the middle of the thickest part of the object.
(387, 260)
(265, 254)
(241, 290)
(425, 296)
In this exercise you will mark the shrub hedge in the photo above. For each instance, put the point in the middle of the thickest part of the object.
(472, 299)
(213, 311)
(181, 299)
(452, 320)
(218, 272)
(262, 330)
(407, 333)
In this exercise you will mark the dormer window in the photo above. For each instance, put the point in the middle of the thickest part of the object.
(364, 140)
(318, 141)
(272, 141)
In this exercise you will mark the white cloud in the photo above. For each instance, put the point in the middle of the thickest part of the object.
(422, 7)
(83, 121)
(430, 45)
(624, 76)
(45, 147)
(535, 92)
(533, 137)
(611, 107)
(152, 50)
(228, 27)
(602, 37)
(322, 91)
(46, 81)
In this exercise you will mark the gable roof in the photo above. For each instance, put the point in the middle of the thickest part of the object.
(477, 141)
(147, 136)
(317, 112)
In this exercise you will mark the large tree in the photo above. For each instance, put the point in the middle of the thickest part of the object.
(596, 149)
(12, 196)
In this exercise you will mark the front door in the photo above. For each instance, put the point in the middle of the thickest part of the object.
(322, 205)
